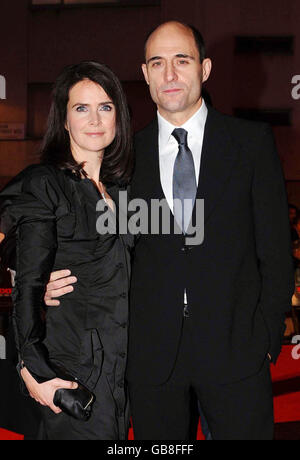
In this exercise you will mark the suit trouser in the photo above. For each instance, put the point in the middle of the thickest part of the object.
(239, 411)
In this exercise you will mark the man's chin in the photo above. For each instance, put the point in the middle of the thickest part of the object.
(173, 108)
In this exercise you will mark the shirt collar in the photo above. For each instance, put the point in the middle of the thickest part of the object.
(195, 124)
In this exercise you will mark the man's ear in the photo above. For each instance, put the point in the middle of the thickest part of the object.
(145, 72)
(206, 69)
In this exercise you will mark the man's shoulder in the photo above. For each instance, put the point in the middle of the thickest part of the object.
(214, 117)
(218, 124)
(237, 126)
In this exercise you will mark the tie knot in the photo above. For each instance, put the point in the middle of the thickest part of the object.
(180, 135)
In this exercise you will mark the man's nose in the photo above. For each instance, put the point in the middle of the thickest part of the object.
(170, 72)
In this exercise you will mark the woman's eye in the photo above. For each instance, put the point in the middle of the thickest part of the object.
(106, 108)
(81, 108)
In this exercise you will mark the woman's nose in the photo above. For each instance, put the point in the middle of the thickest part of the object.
(95, 118)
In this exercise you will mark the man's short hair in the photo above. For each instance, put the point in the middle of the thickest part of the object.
(199, 40)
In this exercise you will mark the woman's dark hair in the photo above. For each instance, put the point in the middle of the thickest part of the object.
(56, 150)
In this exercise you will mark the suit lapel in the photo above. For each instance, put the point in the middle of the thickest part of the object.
(150, 169)
(217, 161)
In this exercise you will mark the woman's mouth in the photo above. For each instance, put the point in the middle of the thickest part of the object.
(94, 134)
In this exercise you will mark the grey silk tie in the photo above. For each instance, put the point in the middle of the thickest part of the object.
(184, 181)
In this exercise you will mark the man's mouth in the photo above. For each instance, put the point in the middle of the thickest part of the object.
(172, 90)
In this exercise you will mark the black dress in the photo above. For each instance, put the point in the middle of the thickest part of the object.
(53, 215)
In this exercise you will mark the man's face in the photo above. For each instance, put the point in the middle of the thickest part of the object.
(174, 72)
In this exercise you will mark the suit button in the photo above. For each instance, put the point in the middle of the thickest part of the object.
(122, 355)
(124, 325)
(120, 266)
(123, 295)
(121, 385)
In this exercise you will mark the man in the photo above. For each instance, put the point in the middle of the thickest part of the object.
(205, 319)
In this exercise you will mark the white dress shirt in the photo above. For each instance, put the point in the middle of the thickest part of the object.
(168, 148)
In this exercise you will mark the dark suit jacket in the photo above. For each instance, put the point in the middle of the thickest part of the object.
(239, 281)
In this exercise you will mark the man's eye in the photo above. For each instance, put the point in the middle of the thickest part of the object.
(156, 64)
(182, 62)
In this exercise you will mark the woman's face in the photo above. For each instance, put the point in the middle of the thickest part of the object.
(91, 120)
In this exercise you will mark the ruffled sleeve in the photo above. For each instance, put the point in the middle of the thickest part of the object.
(28, 211)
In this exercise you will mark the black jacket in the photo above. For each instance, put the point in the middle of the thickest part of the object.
(54, 217)
(239, 281)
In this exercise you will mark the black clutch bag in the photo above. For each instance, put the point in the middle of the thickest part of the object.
(76, 403)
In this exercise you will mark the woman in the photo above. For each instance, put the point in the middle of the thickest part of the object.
(51, 207)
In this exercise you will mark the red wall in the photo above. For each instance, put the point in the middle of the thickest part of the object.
(36, 45)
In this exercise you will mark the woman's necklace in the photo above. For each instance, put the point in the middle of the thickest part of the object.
(107, 198)
(102, 191)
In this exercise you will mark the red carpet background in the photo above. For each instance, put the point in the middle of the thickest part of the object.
(9, 436)
(286, 386)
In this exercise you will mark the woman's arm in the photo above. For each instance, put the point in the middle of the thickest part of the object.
(36, 245)
(32, 214)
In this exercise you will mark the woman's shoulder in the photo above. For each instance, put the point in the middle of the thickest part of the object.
(26, 197)
(44, 178)
(38, 182)
(37, 172)
(32, 174)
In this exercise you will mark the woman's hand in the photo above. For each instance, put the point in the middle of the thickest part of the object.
(44, 393)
